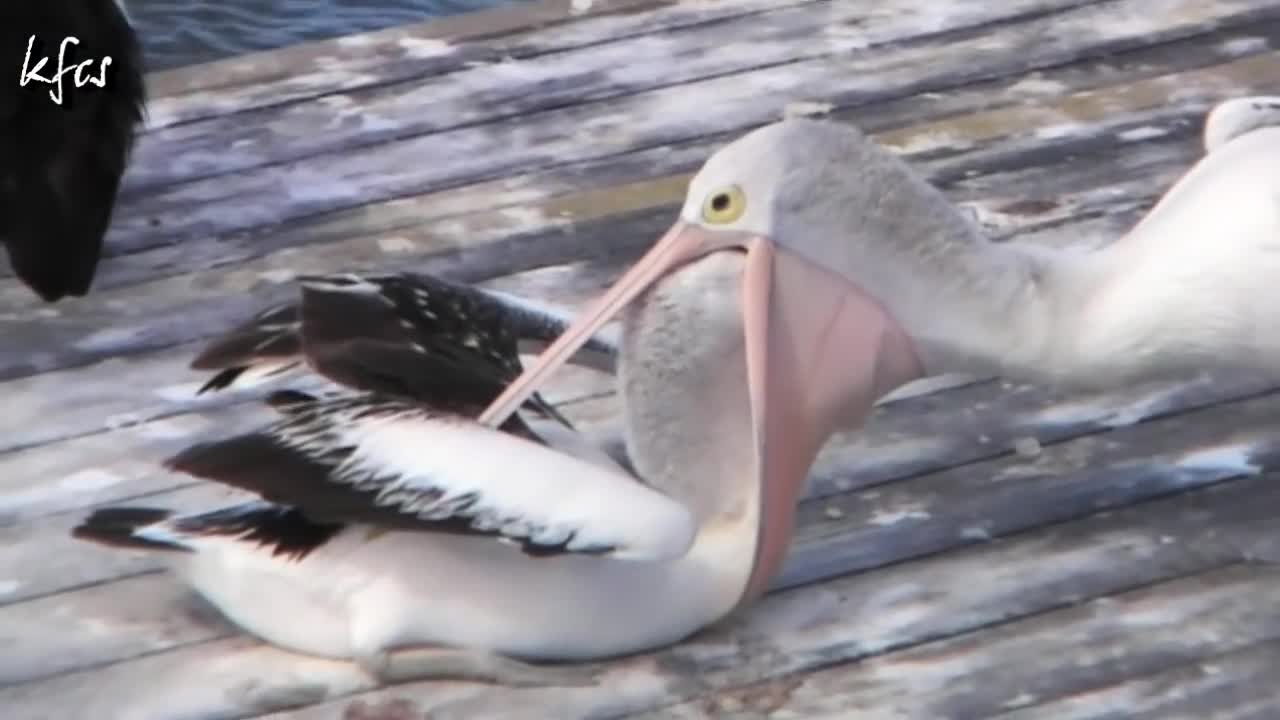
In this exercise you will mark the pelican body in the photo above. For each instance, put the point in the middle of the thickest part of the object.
(859, 276)
(395, 530)
(64, 140)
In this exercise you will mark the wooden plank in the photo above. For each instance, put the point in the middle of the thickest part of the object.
(125, 434)
(1025, 90)
(440, 45)
(1237, 685)
(880, 524)
(857, 529)
(978, 675)
(325, 183)
(136, 389)
(398, 221)
(538, 234)
(46, 637)
(848, 618)
(509, 87)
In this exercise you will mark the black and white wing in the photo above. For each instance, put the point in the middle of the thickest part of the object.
(370, 333)
(268, 346)
(400, 465)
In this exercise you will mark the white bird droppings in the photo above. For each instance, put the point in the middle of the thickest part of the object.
(9, 587)
(278, 276)
(1243, 46)
(420, 48)
(1146, 132)
(806, 108)
(396, 244)
(108, 339)
(89, 480)
(1027, 447)
(1228, 458)
(884, 518)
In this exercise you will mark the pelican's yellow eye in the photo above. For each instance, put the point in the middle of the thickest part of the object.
(724, 206)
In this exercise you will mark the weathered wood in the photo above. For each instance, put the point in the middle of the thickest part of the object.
(849, 618)
(1025, 90)
(917, 435)
(46, 637)
(487, 243)
(1236, 685)
(1058, 122)
(313, 69)
(856, 529)
(659, 117)
(492, 91)
(869, 528)
(1077, 648)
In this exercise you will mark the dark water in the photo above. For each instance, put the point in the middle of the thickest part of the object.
(182, 32)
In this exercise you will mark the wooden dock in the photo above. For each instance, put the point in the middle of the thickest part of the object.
(984, 550)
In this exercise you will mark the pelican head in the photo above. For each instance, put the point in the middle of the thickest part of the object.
(1235, 117)
(820, 349)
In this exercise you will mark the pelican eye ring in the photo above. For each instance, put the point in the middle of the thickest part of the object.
(724, 206)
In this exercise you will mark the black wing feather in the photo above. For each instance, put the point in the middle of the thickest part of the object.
(60, 165)
(373, 340)
(281, 472)
(285, 530)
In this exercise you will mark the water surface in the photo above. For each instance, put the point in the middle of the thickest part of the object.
(182, 32)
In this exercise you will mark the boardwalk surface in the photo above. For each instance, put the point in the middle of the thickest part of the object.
(1117, 571)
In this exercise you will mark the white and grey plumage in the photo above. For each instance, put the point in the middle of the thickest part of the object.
(61, 164)
(1232, 118)
(860, 277)
(392, 524)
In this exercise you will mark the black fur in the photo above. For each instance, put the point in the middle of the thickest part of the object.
(60, 165)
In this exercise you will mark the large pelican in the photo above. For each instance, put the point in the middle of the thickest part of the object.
(395, 531)
(860, 276)
(64, 144)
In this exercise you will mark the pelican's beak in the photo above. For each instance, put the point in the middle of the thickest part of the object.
(819, 353)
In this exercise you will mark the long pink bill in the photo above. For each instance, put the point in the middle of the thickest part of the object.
(680, 245)
(819, 352)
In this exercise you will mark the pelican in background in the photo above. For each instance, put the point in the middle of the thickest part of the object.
(392, 529)
(61, 162)
(1231, 118)
(860, 276)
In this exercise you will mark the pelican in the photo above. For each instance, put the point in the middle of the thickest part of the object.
(64, 144)
(859, 276)
(1232, 118)
(391, 529)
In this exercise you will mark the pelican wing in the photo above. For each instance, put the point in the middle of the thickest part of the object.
(282, 530)
(268, 345)
(370, 333)
(400, 465)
